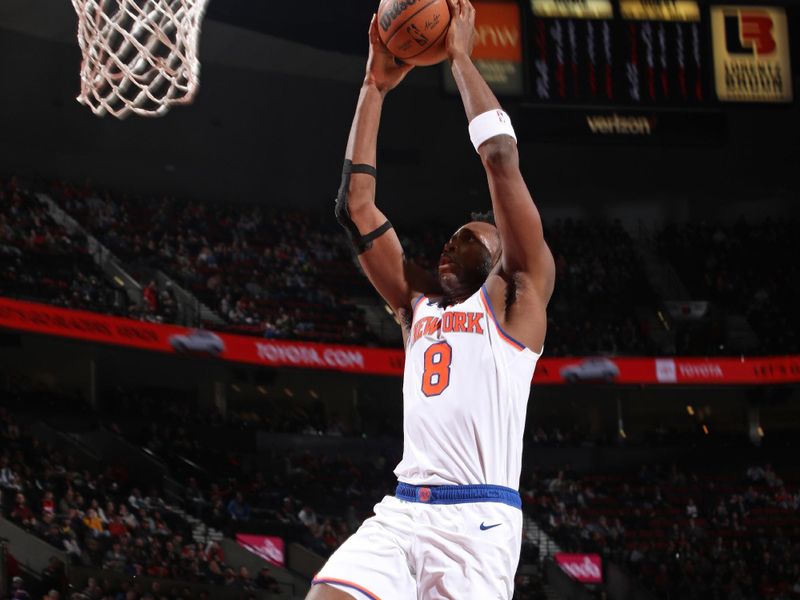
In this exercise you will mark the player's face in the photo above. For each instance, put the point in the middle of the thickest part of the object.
(468, 257)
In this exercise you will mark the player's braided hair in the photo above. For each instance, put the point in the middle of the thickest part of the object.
(483, 217)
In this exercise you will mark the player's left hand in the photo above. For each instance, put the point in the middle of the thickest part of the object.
(461, 33)
(383, 69)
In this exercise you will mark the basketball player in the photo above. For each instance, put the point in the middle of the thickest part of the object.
(472, 335)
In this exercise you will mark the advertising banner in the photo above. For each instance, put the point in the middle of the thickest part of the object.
(268, 547)
(660, 10)
(578, 9)
(672, 370)
(498, 48)
(91, 327)
(586, 568)
(617, 126)
(751, 54)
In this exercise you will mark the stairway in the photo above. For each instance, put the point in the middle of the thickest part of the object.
(533, 533)
(660, 274)
(379, 320)
(113, 267)
(201, 532)
(666, 282)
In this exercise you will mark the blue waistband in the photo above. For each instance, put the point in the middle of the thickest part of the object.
(457, 494)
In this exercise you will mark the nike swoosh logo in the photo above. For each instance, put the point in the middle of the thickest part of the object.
(485, 527)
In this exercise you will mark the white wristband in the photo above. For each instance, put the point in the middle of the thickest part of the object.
(488, 125)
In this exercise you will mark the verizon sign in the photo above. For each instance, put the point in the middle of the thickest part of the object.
(615, 124)
(586, 568)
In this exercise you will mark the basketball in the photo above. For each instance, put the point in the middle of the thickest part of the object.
(415, 30)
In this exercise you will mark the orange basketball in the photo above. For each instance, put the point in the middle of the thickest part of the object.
(415, 30)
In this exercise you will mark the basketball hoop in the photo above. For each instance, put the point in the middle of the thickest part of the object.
(139, 56)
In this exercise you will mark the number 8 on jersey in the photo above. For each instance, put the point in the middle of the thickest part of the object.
(436, 377)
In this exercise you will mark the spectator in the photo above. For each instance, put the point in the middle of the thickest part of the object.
(94, 523)
(265, 581)
(307, 516)
(22, 513)
(18, 591)
(238, 509)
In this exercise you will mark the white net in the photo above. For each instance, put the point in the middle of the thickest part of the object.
(139, 56)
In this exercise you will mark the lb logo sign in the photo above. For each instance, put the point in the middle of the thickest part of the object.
(751, 54)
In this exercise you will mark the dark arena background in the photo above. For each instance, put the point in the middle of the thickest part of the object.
(200, 393)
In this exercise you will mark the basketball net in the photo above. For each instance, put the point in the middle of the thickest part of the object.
(139, 56)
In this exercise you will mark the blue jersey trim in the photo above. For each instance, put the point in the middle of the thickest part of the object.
(346, 584)
(457, 494)
(496, 322)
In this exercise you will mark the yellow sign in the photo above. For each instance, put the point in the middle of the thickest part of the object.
(659, 10)
(581, 9)
(751, 54)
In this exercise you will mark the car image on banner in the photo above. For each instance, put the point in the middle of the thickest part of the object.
(198, 341)
(596, 368)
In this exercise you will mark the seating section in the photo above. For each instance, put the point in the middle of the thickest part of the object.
(599, 286)
(683, 535)
(281, 273)
(273, 273)
(312, 498)
(40, 260)
(743, 268)
(99, 519)
(684, 532)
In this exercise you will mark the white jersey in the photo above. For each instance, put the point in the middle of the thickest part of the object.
(465, 393)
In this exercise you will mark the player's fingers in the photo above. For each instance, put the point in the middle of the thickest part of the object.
(453, 5)
(374, 35)
(373, 27)
(469, 9)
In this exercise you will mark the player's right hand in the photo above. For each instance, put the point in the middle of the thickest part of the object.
(384, 71)
(461, 33)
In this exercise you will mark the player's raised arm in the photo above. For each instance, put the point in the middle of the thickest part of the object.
(378, 247)
(525, 254)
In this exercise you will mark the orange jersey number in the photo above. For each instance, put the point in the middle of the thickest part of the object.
(436, 377)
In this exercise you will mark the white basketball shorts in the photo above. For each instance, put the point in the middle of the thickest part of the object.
(424, 550)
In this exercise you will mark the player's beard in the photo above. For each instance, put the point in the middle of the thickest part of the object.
(469, 284)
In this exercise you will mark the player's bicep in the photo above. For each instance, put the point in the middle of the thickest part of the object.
(383, 265)
(383, 262)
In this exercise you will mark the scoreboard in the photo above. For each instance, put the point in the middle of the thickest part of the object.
(638, 63)
(632, 54)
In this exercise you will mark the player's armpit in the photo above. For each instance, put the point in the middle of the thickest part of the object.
(519, 307)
